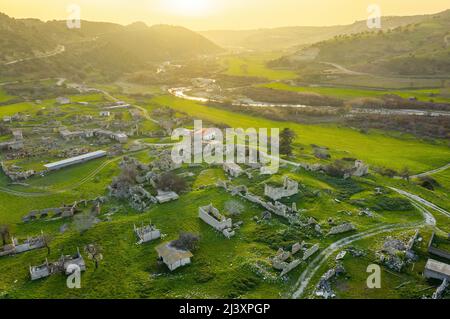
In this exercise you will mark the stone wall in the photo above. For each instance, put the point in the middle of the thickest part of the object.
(211, 215)
(290, 188)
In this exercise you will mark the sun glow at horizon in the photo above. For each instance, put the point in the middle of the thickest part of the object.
(188, 7)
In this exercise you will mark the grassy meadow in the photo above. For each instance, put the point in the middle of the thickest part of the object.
(424, 95)
(376, 148)
(254, 65)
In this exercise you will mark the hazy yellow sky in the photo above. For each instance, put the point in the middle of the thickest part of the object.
(220, 14)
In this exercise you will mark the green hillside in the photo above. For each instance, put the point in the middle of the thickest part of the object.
(416, 49)
(107, 47)
(287, 37)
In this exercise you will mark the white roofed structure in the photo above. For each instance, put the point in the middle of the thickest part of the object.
(75, 160)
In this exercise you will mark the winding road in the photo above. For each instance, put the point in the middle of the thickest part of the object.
(314, 266)
(434, 171)
(59, 50)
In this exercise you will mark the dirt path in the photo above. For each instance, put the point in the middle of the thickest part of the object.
(421, 201)
(343, 69)
(315, 265)
(434, 171)
(59, 50)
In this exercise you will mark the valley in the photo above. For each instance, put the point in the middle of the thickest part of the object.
(87, 164)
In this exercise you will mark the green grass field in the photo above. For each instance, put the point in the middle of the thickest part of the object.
(375, 147)
(350, 93)
(4, 96)
(255, 65)
(220, 268)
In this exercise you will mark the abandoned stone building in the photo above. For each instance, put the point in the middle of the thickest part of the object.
(30, 243)
(147, 233)
(232, 169)
(41, 271)
(359, 169)
(435, 250)
(62, 100)
(76, 259)
(61, 266)
(173, 257)
(71, 135)
(13, 145)
(119, 137)
(211, 215)
(343, 228)
(281, 260)
(289, 188)
(311, 251)
(15, 174)
(437, 270)
(164, 197)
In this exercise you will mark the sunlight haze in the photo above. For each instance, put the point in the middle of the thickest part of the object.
(220, 14)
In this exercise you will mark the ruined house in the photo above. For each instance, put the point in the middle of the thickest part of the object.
(77, 259)
(173, 257)
(232, 169)
(62, 265)
(30, 243)
(41, 271)
(62, 100)
(343, 228)
(437, 270)
(359, 169)
(289, 188)
(434, 249)
(70, 136)
(281, 260)
(164, 162)
(164, 197)
(211, 215)
(147, 233)
(311, 251)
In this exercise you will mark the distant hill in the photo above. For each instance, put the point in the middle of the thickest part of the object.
(421, 48)
(95, 44)
(287, 37)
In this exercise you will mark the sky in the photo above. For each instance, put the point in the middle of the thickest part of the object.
(220, 14)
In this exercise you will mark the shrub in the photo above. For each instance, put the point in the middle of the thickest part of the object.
(173, 182)
(392, 204)
(187, 241)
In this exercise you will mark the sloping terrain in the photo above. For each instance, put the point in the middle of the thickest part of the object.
(287, 37)
(416, 49)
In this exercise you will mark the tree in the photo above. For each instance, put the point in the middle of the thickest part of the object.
(171, 182)
(287, 136)
(234, 207)
(186, 241)
(94, 252)
(405, 173)
(5, 233)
